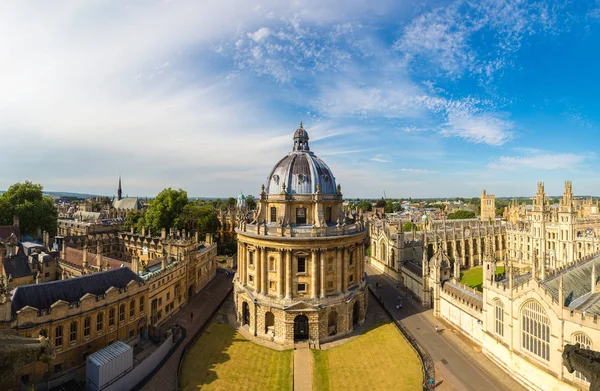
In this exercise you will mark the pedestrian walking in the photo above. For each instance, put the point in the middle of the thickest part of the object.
(437, 329)
(191, 316)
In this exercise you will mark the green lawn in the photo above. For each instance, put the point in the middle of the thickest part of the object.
(224, 360)
(474, 276)
(379, 360)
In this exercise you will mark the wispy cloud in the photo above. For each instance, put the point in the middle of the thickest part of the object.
(415, 170)
(479, 128)
(541, 160)
(446, 37)
(381, 159)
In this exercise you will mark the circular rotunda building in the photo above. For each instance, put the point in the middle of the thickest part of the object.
(300, 260)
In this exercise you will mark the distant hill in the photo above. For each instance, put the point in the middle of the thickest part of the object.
(66, 194)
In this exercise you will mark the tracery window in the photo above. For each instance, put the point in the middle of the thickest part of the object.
(586, 343)
(58, 334)
(499, 317)
(535, 330)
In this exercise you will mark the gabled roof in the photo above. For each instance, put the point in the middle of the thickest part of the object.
(17, 266)
(75, 256)
(43, 295)
(128, 203)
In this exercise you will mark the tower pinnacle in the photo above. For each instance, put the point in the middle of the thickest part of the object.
(119, 190)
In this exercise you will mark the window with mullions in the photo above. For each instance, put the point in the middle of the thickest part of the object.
(301, 265)
(273, 214)
(535, 330)
(499, 317)
(300, 215)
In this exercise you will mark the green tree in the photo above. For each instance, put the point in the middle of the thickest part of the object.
(165, 211)
(365, 206)
(134, 219)
(201, 218)
(27, 202)
(408, 226)
(380, 204)
(250, 203)
(461, 214)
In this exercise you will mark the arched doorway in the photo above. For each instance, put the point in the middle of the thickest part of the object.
(269, 323)
(300, 327)
(190, 292)
(245, 314)
(332, 323)
(355, 313)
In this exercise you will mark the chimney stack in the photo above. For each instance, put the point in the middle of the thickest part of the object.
(197, 236)
(84, 262)
(16, 221)
(163, 265)
(163, 233)
(209, 239)
(143, 231)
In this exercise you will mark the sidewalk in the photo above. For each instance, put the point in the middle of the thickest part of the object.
(302, 367)
(458, 361)
(202, 305)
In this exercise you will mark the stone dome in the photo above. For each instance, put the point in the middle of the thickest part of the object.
(301, 171)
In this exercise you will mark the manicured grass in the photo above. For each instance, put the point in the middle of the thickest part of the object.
(474, 276)
(379, 360)
(224, 360)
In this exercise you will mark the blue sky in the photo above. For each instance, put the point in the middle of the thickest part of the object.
(421, 99)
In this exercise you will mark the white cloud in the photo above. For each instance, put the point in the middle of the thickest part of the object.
(540, 160)
(260, 34)
(478, 128)
(381, 158)
(478, 36)
(415, 170)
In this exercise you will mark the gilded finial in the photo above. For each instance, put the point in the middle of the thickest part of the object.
(300, 124)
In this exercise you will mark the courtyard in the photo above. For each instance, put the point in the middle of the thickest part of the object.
(222, 359)
(368, 362)
(474, 277)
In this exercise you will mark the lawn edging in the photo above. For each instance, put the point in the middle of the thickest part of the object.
(197, 335)
(424, 357)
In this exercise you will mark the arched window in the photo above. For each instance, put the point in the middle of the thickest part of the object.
(383, 252)
(87, 325)
(58, 335)
(499, 317)
(586, 343)
(111, 317)
(122, 313)
(535, 330)
(132, 308)
(99, 322)
(142, 299)
(273, 214)
(73, 333)
(269, 322)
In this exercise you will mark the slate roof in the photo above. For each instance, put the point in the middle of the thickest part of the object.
(6, 230)
(43, 295)
(129, 203)
(576, 280)
(75, 256)
(17, 266)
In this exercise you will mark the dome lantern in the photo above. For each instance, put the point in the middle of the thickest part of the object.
(301, 139)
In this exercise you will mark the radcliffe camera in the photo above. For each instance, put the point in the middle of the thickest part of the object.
(246, 195)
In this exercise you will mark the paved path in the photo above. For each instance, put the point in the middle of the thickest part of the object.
(458, 362)
(202, 305)
(302, 368)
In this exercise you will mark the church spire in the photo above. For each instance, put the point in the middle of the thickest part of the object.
(119, 190)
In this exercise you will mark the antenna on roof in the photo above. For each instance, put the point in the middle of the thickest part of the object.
(384, 196)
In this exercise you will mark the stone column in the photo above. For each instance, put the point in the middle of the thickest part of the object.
(314, 282)
(338, 269)
(265, 271)
(345, 259)
(241, 267)
(280, 275)
(471, 253)
(322, 276)
(288, 272)
(258, 269)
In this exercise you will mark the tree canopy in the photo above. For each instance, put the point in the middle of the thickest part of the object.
(28, 203)
(172, 208)
(365, 206)
(461, 214)
(408, 226)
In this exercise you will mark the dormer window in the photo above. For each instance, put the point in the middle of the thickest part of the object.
(276, 178)
(300, 178)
